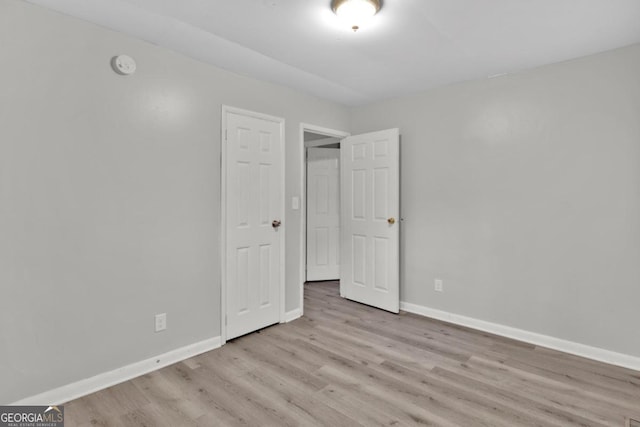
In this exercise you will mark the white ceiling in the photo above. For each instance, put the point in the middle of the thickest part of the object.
(411, 45)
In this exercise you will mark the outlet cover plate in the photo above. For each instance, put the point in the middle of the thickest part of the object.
(161, 322)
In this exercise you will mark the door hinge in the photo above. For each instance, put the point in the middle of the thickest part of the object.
(226, 322)
(226, 135)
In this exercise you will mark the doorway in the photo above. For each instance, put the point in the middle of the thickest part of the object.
(320, 236)
(323, 208)
(369, 215)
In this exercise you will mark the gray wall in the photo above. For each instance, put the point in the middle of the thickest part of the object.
(109, 197)
(523, 194)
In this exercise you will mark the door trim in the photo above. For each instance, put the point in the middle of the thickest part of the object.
(223, 213)
(332, 133)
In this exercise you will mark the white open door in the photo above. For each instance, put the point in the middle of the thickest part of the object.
(323, 213)
(253, 189)
(370, 213)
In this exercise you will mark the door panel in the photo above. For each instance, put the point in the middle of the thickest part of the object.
(370, 210)
(323, 214)
(254, 180)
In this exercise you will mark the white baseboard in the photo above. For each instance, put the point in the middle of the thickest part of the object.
(599, 354)
(292, 315)
(90, 385)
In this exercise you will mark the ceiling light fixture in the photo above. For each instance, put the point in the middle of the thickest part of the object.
(355, 12)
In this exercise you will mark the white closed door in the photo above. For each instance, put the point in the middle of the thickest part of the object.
(323, 214)
(370, 211)
(254, 184)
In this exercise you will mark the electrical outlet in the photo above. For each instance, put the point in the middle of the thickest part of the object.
(438, 285)
(161, 322)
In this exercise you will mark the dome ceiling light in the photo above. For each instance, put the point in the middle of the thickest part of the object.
(355, 12)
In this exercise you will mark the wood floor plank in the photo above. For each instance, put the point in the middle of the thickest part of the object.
(268, 360)
(308, 408)
(389, 344)
(160, 388)
(347, 364)
(603, 382)
(567, 397)
(437, 399)
(542, 411)
(364, 410)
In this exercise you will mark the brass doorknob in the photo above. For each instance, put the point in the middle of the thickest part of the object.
(276, 223)
(391, 220)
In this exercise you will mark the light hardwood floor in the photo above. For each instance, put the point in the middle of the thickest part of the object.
(346, 364)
